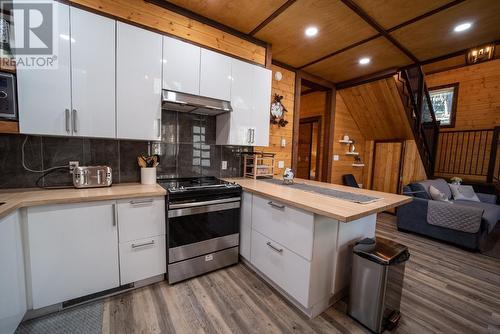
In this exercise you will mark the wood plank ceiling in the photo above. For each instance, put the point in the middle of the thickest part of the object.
(393, 33)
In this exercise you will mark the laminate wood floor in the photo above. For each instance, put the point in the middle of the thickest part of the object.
(446, 290)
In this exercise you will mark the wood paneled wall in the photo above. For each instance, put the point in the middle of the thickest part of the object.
(413, 168)
(313, 105)
(163, 20)
(345, 125)
(286, 88)
(478, 104)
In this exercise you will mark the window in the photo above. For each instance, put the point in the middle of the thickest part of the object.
(444, 103)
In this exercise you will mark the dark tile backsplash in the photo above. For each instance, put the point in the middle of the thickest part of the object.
(187, 149)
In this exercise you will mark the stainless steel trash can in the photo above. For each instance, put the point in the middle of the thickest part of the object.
(377, 282)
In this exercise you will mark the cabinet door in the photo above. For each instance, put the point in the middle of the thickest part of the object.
(138, 83)
(12, 280)
(73, 251)
(92, 74)
(261, 106)
(246, 225)
(215, 75)
(44, 95)
(181, 66)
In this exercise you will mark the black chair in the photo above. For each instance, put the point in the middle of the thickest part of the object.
(350, 181)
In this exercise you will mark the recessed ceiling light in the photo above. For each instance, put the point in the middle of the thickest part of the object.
(462, 27)
(364, 61)
(311, 31)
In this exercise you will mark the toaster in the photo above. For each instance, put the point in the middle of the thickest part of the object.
(92, 176)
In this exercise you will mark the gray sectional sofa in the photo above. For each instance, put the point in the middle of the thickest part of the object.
(416, 216)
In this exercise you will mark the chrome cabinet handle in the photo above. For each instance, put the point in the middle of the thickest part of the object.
(67, 117)
(253, 136)
(149, 243)
(277, 206)
(114, 214)
(159, 127)
(141, 202)
(74, 121)
(249, 136)
(274, 248)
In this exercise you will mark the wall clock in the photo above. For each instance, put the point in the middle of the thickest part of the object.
(278, 111)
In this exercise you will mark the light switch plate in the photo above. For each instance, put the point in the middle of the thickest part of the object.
(335, 157)
(224, 165)
(281, 164)
(283, 142)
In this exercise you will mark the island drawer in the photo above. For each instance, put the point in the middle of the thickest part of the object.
(140, 218)
(291, 227)
(285, 268)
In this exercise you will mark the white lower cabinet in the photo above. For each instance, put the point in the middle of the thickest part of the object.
(141, 223)
(143, 258)
(73, 251)
(246, 224)
(285, 268)
(12, 281)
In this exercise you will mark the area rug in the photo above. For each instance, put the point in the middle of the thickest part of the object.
(82, 319)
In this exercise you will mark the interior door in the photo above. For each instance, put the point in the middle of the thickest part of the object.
(386, 166)
(305, 143)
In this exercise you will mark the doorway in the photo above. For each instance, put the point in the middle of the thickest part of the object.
(309, 144)
(313, 127)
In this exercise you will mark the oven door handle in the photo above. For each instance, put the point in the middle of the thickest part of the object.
(203, 209)
(217, 201)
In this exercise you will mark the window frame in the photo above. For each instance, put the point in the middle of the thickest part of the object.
(455, 87)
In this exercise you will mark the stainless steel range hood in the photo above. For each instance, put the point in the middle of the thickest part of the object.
(196, 104)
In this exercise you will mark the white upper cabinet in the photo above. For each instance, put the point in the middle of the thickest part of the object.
(215, 75)
(181, 66)
(44, 95)
(92, 74)
(261, 106)
(138, 83)
(248, 123)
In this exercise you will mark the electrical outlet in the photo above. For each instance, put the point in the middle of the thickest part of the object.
(73, 165)
(224, 165)
(281, 164)
(335, 157)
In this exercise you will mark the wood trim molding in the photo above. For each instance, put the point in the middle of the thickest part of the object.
(331, 105)
(271, 17)
(205, 20)
(367, 78)
(296, 120)
(9, 127)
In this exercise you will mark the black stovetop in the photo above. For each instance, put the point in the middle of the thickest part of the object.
(188, 187)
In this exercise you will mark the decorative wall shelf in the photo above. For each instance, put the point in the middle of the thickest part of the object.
(345, 141)
(351, 153)
(358, 165)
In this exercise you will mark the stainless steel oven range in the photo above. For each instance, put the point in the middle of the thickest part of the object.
(202, 225)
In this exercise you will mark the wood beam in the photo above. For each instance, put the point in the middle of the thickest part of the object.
(367, 78)
(192, 15)
(271, 17)
(368, 19)
(296, 121)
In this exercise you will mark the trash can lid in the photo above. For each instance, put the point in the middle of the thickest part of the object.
(381, 250)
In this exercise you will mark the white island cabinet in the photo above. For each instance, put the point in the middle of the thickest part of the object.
(12, 282)
(304, 255)
(73, 251)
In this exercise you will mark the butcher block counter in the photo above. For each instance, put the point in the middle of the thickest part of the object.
(14, 199)
(320, 204)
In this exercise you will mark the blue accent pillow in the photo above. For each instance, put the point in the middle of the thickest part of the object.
(419, 191)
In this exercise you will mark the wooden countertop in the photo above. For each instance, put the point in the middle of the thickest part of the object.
(320, 204)
(21, 198)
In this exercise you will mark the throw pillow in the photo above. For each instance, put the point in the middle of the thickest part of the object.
(465, 193)
(419, 191)
(437, 195)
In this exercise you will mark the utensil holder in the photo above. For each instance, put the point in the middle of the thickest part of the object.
(148, 175)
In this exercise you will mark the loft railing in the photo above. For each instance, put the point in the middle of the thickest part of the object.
(470, 153)
(420, 114)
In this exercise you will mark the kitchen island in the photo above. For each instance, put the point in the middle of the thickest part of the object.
(300, 241)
